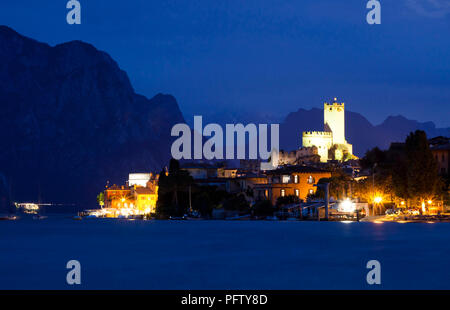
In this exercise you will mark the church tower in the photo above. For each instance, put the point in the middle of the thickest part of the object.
(334, 121)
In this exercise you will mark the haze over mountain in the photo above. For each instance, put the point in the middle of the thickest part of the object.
(359, 131)
(71, 120)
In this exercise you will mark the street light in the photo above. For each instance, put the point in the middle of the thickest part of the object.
(347, 206)
(377, 200)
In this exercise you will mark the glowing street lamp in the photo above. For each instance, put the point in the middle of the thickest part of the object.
(378, 199)
(347, 206)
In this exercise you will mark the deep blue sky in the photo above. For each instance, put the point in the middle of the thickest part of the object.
(274, 57)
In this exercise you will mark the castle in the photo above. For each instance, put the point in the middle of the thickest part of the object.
(331, 143)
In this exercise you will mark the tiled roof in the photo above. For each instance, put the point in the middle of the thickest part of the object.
(144, 191)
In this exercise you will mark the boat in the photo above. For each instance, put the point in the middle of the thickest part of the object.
(8, 218)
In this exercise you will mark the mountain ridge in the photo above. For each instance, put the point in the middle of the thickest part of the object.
(359, 130)
(71, 121)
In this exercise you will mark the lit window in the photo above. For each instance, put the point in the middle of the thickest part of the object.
(286, 178)
(297, 193)
(295, 178)
(311, 191)
(283, 193)
(311, 180)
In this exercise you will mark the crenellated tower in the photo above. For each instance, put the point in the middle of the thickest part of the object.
(331, 142)
(334, 120)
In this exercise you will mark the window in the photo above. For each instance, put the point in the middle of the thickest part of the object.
(311, 191)
(297, 193)
(295, 178)
(286, 178)
(311, 180)
(283, 192)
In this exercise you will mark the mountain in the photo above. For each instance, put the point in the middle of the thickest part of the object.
(359, 131)
(70, 121)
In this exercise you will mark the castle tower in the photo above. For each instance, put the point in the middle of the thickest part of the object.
(331, 141)
(334, 120)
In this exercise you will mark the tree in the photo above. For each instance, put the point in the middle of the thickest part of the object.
(237, 203)
(203, 203)
(101, 199)
(416, 175)
(173, 195)
(287, 200)
(339, 184)
(372, 157)
(263, 208)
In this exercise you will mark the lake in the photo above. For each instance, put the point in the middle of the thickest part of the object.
(124, 254)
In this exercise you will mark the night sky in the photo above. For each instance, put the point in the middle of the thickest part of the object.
(274, 57)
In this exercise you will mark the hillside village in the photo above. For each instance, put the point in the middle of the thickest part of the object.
(320, 180)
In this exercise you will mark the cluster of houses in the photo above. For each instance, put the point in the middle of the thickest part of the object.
(137, 197)
(297, 174)
(292, 180)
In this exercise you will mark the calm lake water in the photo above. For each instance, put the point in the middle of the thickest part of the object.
(122, 254)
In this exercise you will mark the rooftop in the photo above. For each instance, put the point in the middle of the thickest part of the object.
(442, 147)
(144, 191)
(297, 169)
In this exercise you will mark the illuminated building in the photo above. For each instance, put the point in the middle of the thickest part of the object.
(139, 198)
(331, 142)
(290, 181)
(145, 199)
(139, 179)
